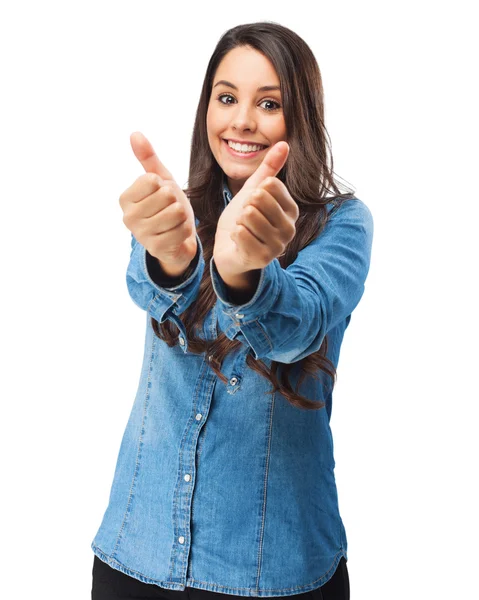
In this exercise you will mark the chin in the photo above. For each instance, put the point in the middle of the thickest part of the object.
(236, 174)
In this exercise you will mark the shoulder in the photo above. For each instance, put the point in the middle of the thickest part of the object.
(354, 210)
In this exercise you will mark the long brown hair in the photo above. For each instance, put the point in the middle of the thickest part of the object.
(306, 174)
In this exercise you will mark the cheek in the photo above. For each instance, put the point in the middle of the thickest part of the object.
(212, 133)
(280, 129)
(216, 121)
(212, 118)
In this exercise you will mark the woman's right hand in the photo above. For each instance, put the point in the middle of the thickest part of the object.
(158, 213)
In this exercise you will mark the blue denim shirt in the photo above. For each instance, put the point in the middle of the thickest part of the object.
(224, 487)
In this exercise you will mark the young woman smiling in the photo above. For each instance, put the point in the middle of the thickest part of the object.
(224, 484)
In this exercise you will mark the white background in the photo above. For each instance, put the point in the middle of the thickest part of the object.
(401, 107)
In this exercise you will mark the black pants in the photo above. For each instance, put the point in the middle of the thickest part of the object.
(111, 584)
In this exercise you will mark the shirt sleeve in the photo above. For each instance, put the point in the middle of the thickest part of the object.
(161, 296)
(293, 309)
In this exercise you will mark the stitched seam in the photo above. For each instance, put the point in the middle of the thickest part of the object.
(243, 322)
(206, 583)
(152, 301)
(264, 334)
(204, 429)
(263, 312)
(138, 454)
(206, 423)
(232, 326)
(188, 539)
(126, 569)
(265, 487)
(227, 587)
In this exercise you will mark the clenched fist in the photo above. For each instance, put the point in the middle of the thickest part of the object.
(158, 212)
(259, 222)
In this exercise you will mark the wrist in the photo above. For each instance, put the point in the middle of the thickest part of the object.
(177, 268)
(168, 274)
(241, 286)
(173, 270)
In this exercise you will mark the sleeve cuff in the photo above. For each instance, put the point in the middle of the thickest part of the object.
(163, 302)
(161, 279)
(242, 321)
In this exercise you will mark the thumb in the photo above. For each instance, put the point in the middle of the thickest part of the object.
(272, 164)
(144, 152)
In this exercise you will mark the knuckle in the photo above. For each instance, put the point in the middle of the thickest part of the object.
(188, 228)
(151, 178)
(179, 210)
(168, 192)
(271, 182)
(241, 230)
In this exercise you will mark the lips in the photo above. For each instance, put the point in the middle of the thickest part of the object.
(263, 146)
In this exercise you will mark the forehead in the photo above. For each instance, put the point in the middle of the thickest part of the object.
(246, 68)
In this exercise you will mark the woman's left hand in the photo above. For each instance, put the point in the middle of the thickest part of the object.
(258, 222)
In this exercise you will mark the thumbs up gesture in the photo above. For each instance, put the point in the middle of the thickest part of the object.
(158, 212)
(259, 221)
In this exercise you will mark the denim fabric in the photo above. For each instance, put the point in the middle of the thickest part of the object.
(224, 487)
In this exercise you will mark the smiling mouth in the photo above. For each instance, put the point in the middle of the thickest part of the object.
(248, 152)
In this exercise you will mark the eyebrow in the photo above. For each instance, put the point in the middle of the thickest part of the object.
(265, 88)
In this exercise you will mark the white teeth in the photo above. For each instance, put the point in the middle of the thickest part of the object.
(244, 147)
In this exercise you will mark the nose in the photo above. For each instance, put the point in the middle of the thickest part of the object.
(243, 118)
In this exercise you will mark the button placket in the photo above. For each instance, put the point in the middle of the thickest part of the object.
(184, 487)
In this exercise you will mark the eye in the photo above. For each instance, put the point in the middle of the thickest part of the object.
(224, 96)
(269, 100)
(272, 102)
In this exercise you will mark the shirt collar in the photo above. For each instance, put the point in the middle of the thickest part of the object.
(226, 193)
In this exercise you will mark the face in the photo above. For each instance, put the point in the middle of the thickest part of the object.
(241, 112)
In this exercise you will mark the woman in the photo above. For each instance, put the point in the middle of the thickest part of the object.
(225, 476)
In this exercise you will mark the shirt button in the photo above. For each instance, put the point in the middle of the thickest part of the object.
(239, 316)
(233, 381)
(198, 417)
(187, 477)
(181, 340)
(210, 357)
(181, 539)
